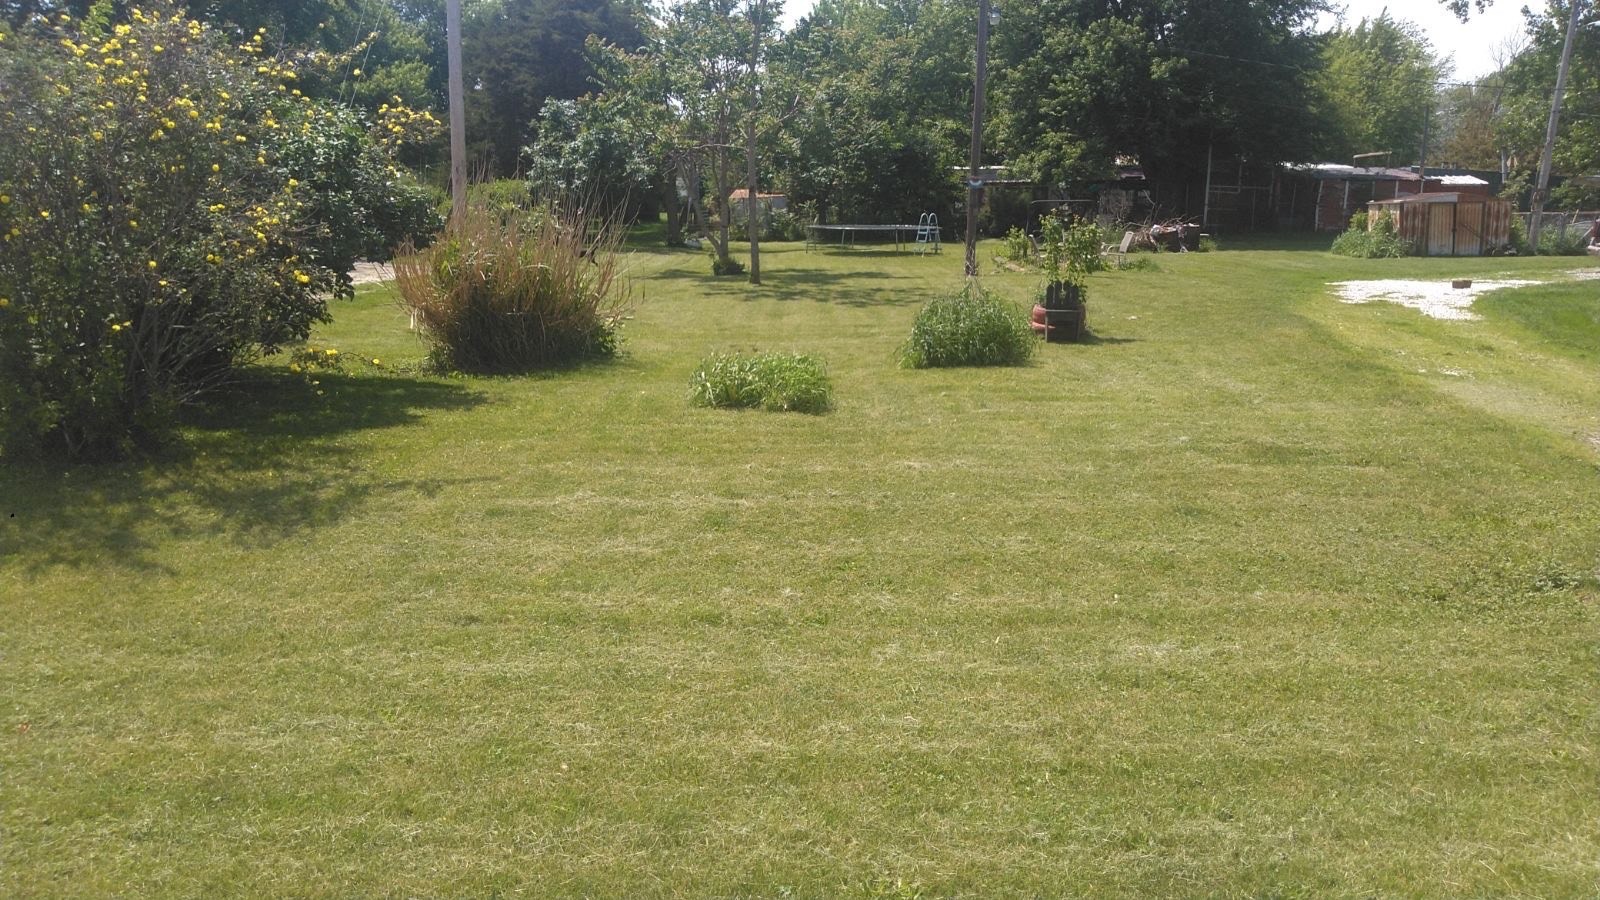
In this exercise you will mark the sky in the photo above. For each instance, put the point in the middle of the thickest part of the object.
(1472, 45)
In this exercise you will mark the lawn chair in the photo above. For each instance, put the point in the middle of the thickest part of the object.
(1118, 255)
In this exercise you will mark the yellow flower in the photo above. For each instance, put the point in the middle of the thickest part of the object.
(133, 223)
(5, 302)
(151, 264)
(333, 353)
(87, 208)
(116, 328)
(377, 362)
(216, 168)
(99, 135)
(44, 213)
(5, 198)
(194, 113)
(302, 277)
(162, 282)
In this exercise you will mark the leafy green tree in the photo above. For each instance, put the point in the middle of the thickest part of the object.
(585, 153)
(1529, 84)
(1078, 83)
(880, 107)
(1379, 80)
(519, 54)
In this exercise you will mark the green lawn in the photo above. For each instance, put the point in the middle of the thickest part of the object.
(1255, 593)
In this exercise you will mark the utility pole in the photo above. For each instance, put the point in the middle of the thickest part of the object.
(1422, 164)
(752, 209)
(1542, 189)
(458, 114)
(974, 184)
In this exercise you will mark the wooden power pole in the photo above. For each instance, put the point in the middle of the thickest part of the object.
(974, 184)
(458, 114)
(1542, 189)
(752, 209)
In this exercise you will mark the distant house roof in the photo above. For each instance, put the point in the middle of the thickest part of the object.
(1340, 172)
(744, 194)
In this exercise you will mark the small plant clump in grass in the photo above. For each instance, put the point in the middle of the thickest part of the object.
(1207, 244)
(726, 265)
(779, 382)
(498, 296)
(1017, 247)
(969, 328)
(1380, 241)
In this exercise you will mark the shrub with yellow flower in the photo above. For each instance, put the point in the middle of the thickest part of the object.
(201, 237)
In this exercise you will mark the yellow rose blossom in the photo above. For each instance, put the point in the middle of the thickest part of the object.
(4, 302)
(151, 264)
(44, 213)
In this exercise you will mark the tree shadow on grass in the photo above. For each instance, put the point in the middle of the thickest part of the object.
(790, 285)
(262, 462)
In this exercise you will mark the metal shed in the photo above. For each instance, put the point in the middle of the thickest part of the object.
(1449, 224)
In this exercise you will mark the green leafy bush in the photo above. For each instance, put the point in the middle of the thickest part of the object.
(970, 328)
(493, 296)
(1017, 247)
(1379, 241)
(783, 225)
(1554, 241)
(780, 382)
(1207, 244)
(506, 199)
(171, 206)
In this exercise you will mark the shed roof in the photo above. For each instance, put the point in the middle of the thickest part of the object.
(1442, 197)
(1341, 172)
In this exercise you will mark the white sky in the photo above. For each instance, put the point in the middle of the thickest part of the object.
(1472, 45)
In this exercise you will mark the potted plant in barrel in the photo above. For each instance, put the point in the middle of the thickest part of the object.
(1068, 255)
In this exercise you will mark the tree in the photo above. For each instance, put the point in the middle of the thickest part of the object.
(1530, 80)
(1379, 80)
(522, 53)
(585, 153)
(708, 83)
(1079, 83)
(882, 106)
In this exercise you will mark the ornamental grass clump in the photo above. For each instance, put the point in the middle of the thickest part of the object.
(502, 296)
(779, 382)
(970, 328)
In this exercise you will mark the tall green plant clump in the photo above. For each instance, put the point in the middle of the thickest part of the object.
(778, 382)
(969, 328)
(497, 296)
(171, 205)
(1372, 238)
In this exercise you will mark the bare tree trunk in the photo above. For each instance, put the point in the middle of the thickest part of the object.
(753, 208)
(669, 199)
(697, 214)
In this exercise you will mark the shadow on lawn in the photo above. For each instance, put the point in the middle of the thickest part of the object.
(789, 285)
(260, 463)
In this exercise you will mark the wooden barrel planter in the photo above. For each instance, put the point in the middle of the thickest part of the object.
(1063, 315)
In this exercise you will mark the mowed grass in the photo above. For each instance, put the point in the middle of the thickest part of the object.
(1255, 593)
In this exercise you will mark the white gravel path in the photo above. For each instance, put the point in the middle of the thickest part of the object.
(1433, 298)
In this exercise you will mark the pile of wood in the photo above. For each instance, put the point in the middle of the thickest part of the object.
(1173, 235)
